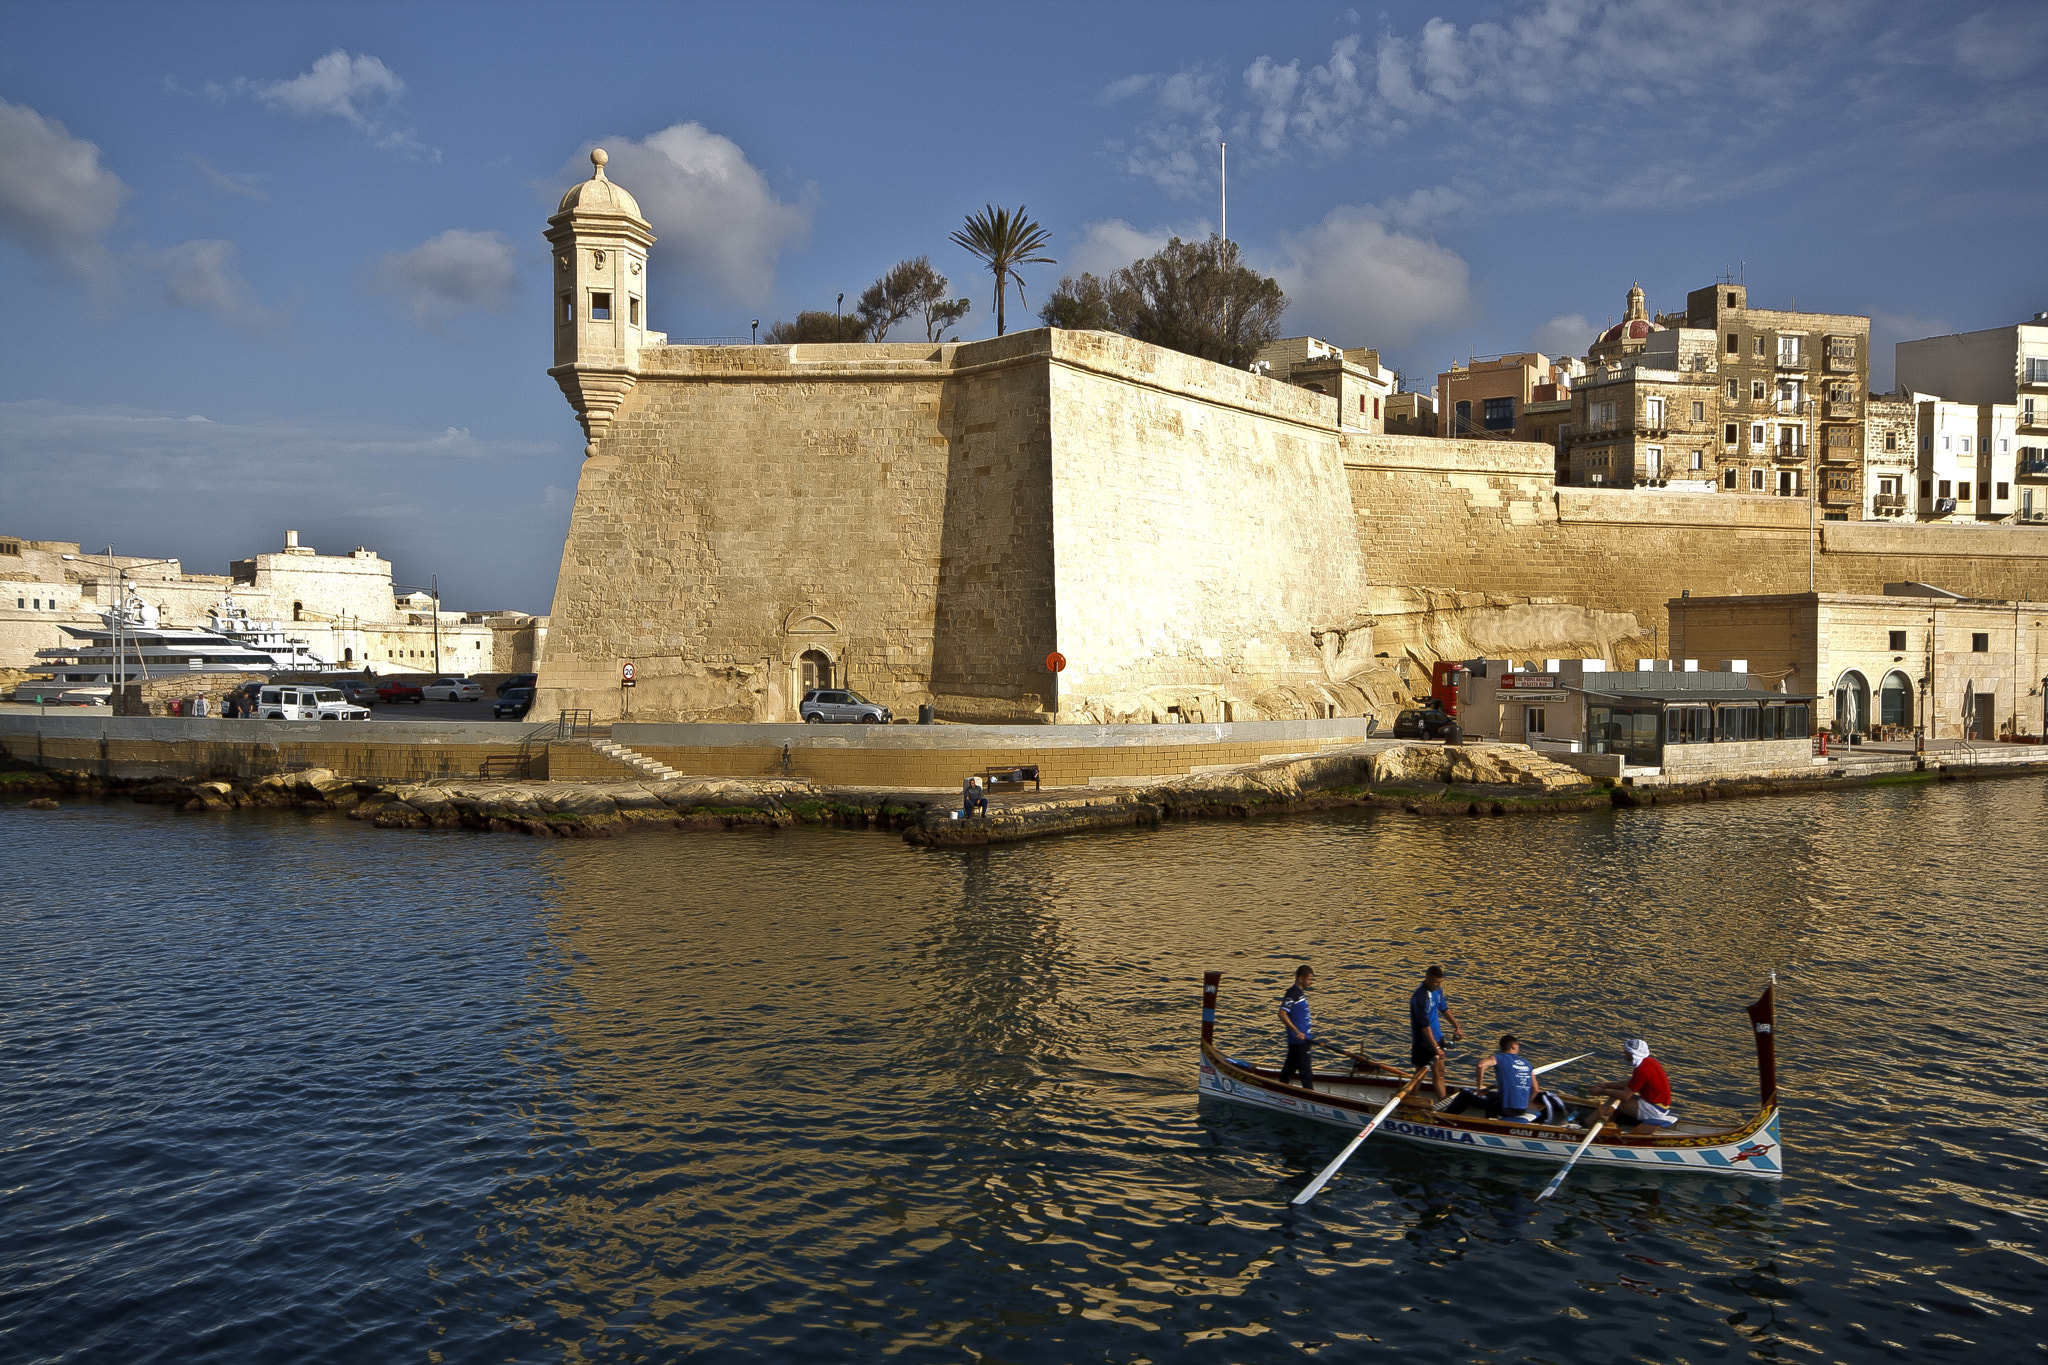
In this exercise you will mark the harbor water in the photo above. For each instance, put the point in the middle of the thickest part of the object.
(284, 1088)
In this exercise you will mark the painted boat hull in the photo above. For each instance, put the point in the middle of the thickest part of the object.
(1748, 1151)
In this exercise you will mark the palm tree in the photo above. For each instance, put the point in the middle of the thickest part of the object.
(1004, 241)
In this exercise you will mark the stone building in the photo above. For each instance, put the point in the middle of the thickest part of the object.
(1967, 461)
(1353, 377)
(1913, 657)
(1647, 418)
(1792, 390)
(1891, 440)
(1411, 414)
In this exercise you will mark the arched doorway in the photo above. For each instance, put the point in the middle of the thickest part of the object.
(1895, 700)
(1852, 703)
(814, 670)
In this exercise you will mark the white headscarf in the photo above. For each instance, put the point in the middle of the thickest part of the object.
(1637, 1051)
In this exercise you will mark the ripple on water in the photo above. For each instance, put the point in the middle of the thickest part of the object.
(299, 1090)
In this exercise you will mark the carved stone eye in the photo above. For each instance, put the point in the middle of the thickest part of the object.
(597, 259)
(562, 261)
(636, 267)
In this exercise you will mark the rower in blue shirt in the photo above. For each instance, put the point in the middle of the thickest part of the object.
(1519, 1087)
(1301, 1034)
(1428, 1011)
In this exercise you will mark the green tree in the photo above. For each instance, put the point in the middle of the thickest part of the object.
(1198, 298)
(1003, 241)
(911, 287)
(1080, 305)
(811, 328)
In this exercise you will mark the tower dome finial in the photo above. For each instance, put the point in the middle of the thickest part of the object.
(598, 157)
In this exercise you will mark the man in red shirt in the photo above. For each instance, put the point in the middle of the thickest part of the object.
(1645, 1094)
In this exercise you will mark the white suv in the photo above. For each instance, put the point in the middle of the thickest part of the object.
(453, 689)
(288, 702)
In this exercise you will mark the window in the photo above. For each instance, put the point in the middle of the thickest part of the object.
(1788, 350)
(1838, 436)
(1736, 723)
(1734, 389)
(1653, 413)
(1889, 486)
(632, 310)
(2026, 415)
(1838, 482)
(1898, 640)
(1891, 440)
(1841, 348)
(1756, 433)
(1759, 348)
(1688, 725)
(2037, 369)
(601, 306)
(1926, 443)
(1966, 445)
(1984, 492)
(2004, 491)
(1464, 417)
(1756, 390)
(1734, 346)
(568, 309)
(1653, 461)
(1948, 488)
(1788, 392)
(2004, 446)
(1980, 643)
(1699, 459)
(1532, 720)
(1500, 414)
(1603, 414)
(1728, 480)
(1730, 434)
(1699, 412)
(1926, 488)
(1756, 480)
(1731, 300)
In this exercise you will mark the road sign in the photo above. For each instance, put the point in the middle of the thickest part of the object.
(625, 675)
(1056, 661)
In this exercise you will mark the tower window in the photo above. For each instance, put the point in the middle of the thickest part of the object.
(568, 309)
(632, 310)
(1734, 344)
(601, 306)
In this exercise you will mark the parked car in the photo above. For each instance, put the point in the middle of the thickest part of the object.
(453, 689)
(515, 703)
(1427, 723)
(359, 691)
(392, 690)
(518, 680)
(826, 705)
(303, 701)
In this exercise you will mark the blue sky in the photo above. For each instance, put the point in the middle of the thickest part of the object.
(280, 265)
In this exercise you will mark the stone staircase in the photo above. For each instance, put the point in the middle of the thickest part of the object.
(639, 763)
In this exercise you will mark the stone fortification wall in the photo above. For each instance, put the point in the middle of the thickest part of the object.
(1471, 543)
(1203, 537)
(935, 520)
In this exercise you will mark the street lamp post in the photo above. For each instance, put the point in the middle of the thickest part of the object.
(435, 589)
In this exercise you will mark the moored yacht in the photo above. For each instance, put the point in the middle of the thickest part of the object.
(131, 643)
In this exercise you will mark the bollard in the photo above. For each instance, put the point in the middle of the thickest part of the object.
(925, 714)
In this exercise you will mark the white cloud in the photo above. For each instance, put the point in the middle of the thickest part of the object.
(1353, 281)
(718, 221)
(1567, 334)
(228, 183)
(56, 200)
(2000, 46)
(1111, 244)
(360, 89)
(458, 269)
(204, 274)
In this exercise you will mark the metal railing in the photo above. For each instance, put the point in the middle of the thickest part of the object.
(1883, 502)
(574, 725)
(1794, 361)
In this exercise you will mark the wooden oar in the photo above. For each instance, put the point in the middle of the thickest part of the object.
(1361, 1058)
(1604, 1113)
(1566, 1062)
(1309, 1191)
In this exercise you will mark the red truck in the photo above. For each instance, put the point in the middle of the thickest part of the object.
(392, 690)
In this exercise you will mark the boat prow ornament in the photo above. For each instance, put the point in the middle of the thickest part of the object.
(1750, 1148)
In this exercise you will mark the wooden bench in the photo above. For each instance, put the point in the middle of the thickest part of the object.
(1012, 777)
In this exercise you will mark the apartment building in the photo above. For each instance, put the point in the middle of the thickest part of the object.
(1792, 388)
(1648, 418)
(1967, 460)
(1991, 369)
(1490, 395)
(1354, 377)
(1891, 444)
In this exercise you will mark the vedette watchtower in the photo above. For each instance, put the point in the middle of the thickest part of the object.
(600, 244)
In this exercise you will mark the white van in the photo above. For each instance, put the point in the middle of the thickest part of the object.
(306, 702)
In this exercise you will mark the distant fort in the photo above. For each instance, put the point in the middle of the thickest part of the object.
(931, 524)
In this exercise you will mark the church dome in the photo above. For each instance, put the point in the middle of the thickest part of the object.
(597, 194)
(1636, 329)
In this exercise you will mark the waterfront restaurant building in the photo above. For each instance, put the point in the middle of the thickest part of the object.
(1673, 717)
(1916, 658)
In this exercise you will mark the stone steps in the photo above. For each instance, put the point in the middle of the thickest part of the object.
(639, 763)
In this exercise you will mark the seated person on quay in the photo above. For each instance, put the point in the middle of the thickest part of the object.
(973, 797)
(1645, 1094)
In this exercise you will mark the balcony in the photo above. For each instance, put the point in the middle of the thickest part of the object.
(1787, 451)
(1846, 409)
(1841, 364)
(2032, 466)
(1888, 504)
(1795, 360)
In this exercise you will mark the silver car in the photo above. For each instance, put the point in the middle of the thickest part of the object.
(453, 689)
(841, 704)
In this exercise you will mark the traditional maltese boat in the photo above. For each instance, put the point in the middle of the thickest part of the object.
(1351, 1100)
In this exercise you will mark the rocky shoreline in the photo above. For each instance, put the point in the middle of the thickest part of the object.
(1427, 780)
